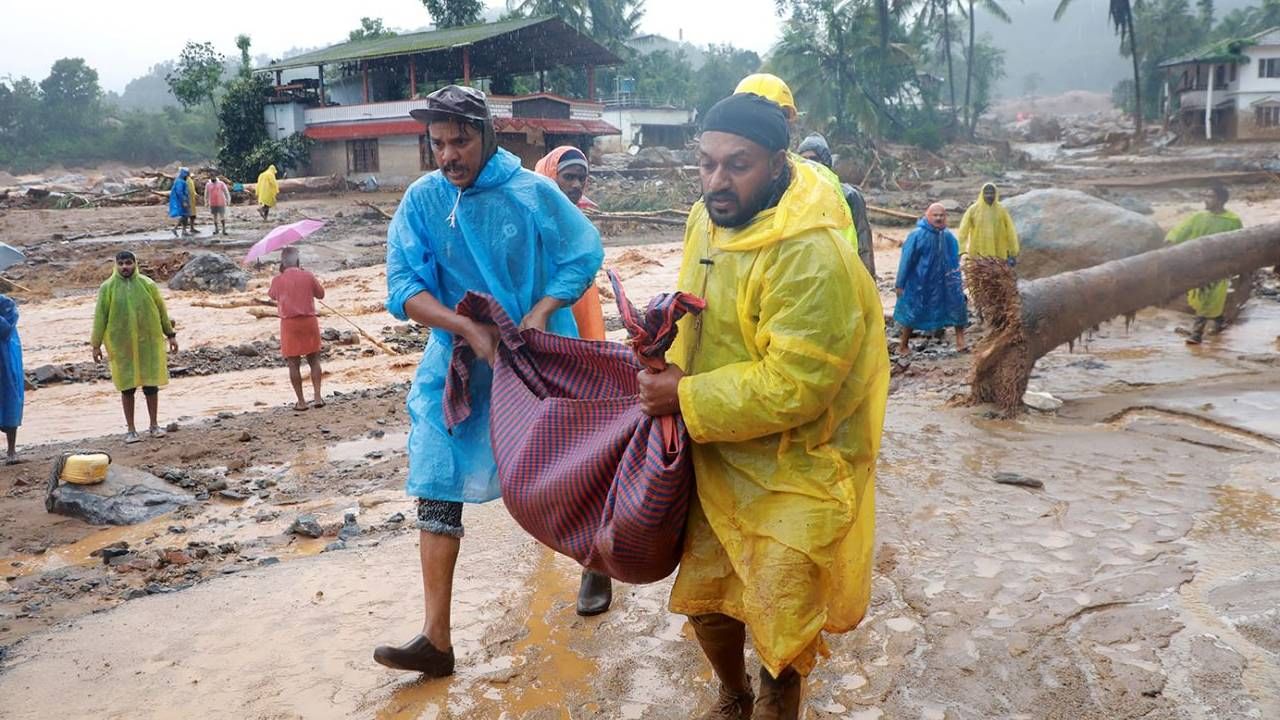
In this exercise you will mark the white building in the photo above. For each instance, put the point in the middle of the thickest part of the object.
(646, 124)
(1229, 90)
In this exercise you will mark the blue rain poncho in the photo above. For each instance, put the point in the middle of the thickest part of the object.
(929, 276)
(12, 381)
(512, 235)
(179, 197)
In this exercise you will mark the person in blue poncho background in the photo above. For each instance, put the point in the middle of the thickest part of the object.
(929, 287)
(180, 203)
(12, 381)
(480, 223)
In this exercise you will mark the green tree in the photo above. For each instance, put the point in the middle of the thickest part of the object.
(70, 96)
(1171, 29)
(1120, 13)
(574, 12)
(197, 75)
(663, 77)
(244, 149)
(971, 64)
(370, 29)
(725, 66)
(243, 43)
(454, 13)
(21, 117)
(614, 22)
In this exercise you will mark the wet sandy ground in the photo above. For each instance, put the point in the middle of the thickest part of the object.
(1141, 582)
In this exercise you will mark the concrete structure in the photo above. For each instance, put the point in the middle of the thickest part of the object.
(646, 124)
(359, 114)
(1229, 90)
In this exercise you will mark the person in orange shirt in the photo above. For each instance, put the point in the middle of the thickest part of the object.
(295, 291)
(567, 166)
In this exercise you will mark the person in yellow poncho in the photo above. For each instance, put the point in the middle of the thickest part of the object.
(987, 230)
(132, 320)
(267, 190)
(772, 87)
(1208, 302)
(782, 382)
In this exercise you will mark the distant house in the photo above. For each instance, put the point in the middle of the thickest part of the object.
(1228, 90)
(645, 123)
(354, 98)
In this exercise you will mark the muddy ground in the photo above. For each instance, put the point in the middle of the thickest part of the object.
(1141, 580)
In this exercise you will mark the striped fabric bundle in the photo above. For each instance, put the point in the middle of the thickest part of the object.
(583, 470)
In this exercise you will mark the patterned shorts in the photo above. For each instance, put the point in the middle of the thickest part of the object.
(440, 517)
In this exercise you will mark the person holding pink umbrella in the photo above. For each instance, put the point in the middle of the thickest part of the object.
(295, 291)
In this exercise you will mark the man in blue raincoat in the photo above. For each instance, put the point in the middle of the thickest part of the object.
(180, 203)
(929, 288)
(480, 223)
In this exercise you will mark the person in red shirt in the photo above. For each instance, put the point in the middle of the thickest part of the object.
(218, 196)
(295, 291)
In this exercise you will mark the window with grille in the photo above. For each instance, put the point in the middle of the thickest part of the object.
(362, 156)
(1269, 68)
(1267, 116)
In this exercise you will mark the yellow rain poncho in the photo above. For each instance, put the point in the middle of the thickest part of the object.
(132, 320)
(987, 230)
(785, 400)
(1208, 301)
(267, 188)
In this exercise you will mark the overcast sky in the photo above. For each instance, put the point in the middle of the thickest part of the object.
(121, 39)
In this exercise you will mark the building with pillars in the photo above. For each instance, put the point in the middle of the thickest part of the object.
(354, 98)
(1229, 90)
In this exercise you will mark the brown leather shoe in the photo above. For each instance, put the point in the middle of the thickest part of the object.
(779, 698)
(418, 655)
(731, 706)
(595, 593)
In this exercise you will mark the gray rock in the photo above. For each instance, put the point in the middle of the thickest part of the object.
(396, 519)
(1065, 230)
(127, 497)
(336, 545)
(232, 495)
(350, 528)
(49, 374)
(246, 350)
(306, 526)
(1135, 204)
(210, 272)
(655, 157)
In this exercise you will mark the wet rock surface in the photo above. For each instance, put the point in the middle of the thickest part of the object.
(1064, 230)
(210, 272)
(126, 497)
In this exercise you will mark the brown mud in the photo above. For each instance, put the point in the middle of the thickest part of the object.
(1140, 581)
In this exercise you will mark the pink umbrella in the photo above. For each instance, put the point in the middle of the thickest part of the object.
(282, 236)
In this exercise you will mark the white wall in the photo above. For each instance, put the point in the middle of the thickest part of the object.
(284, 119)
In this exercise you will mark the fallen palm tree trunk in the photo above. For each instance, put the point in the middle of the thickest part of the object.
(1029, 321)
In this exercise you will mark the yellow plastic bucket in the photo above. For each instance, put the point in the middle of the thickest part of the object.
(87, 469)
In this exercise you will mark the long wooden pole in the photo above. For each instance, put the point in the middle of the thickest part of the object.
(370, 338)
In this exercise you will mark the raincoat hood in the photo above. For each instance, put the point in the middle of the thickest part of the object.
(983, 191)
(924, 224)
(807, 204)
(817, 144)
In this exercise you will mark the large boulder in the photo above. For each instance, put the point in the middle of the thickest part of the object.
(655, 157)
(126, 497)
(1065, 230)
(210, 272)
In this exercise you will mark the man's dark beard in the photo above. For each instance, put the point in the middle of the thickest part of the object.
(769, 197)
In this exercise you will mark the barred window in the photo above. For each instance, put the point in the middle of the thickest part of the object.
(1267, 116)
(362, 156)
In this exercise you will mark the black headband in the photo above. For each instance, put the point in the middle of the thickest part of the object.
(761, 121)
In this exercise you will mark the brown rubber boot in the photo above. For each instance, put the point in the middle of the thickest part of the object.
(779, 698)
(722, 639)
(418, 655)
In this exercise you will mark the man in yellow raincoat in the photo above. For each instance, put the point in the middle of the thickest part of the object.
(986, 230)
(782, 383)
(267, 190)
(132, 320)
(772, 87)
(1208, 302)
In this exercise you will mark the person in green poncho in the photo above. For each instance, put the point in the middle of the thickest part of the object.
(133, 322)
(1209, 301)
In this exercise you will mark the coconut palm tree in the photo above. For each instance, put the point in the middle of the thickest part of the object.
(992, 7)
(1120, 12)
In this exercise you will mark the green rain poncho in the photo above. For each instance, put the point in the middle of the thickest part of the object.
(1207, 301)
(131, 319)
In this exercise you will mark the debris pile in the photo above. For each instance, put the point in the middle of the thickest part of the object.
(210, 272)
